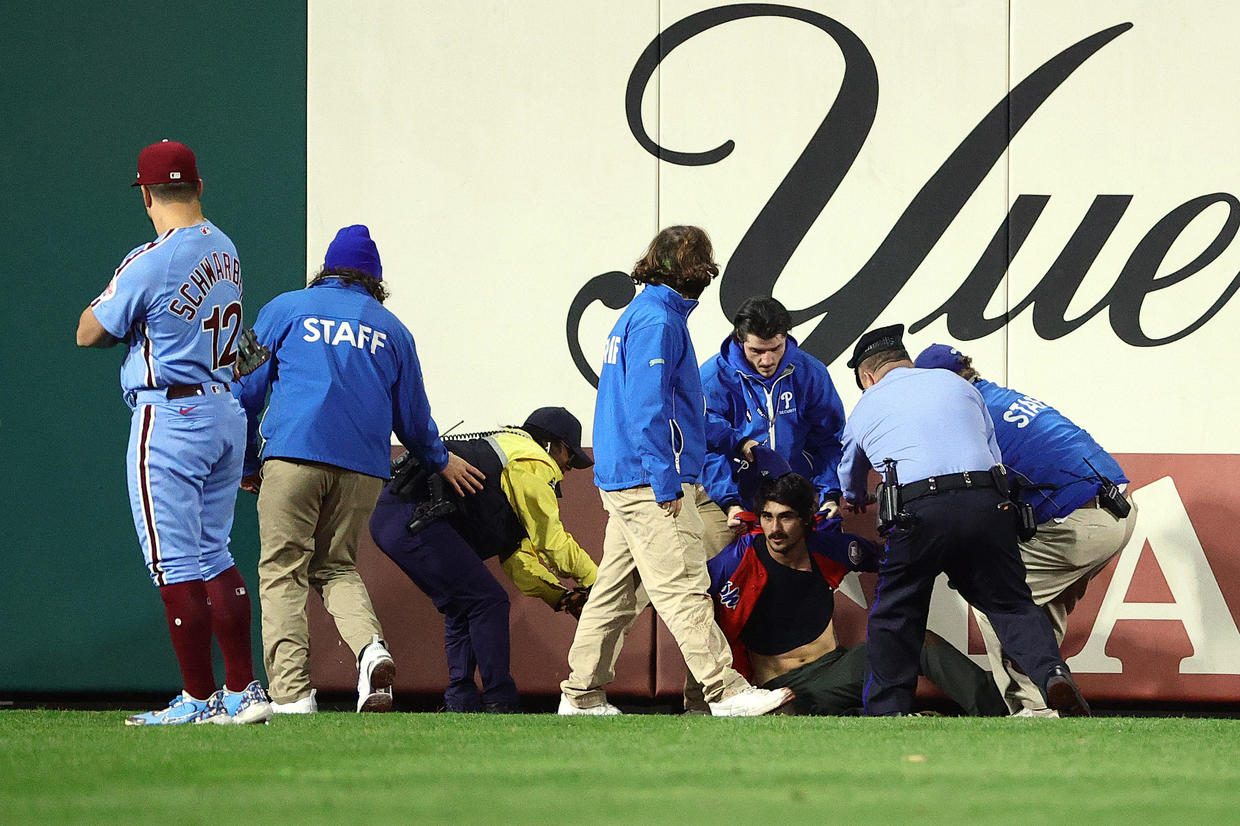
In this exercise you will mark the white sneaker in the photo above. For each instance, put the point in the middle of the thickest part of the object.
(752, 702)
(306, 705)
(1036, 712)
(376, 671)
(567, 709)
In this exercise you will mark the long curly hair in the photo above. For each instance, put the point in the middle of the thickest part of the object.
(348, 275)
(680, 257)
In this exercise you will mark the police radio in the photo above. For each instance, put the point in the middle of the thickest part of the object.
(891, 513)
(1111, 497)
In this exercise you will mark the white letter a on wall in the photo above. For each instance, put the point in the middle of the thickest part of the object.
(1199, 604)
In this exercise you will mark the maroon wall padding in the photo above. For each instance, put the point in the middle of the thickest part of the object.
(1151, 651)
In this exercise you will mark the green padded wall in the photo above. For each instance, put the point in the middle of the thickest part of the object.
(85, 86)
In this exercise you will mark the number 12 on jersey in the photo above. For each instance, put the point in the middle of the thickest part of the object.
(221, 320)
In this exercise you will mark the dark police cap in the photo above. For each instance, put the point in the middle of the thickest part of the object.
(876, 341)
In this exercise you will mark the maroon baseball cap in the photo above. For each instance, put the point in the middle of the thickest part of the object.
(166, 162)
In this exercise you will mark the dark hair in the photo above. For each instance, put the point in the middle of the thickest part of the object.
(679, 257)
(183, 192)
(762, 317)
(966, 370)
(876, 360)
(348, 275)
(792, 490)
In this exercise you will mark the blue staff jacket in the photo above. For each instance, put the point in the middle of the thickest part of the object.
(1045, 448)
(650, 415)
(796, 412)
(343, 375)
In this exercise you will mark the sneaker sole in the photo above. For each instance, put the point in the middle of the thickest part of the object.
(383, 675)
(257, 713)
(378, 702)
(1064, 697)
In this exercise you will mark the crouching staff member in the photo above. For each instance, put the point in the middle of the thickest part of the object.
(343, 375)
(440, 539)
(774, 600)
(1073, 485)
(955, 517)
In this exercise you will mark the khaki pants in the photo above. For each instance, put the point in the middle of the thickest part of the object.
(716, 535)
(1059, 562)
(309, 519)
(649, 558)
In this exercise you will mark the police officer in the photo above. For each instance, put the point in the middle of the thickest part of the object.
(1063, 473)
(440, 540)
(954, 517)
(343, 376)
(762, 385)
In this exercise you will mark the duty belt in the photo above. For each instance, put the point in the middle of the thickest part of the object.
(950, 481)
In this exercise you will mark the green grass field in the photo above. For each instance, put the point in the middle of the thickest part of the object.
(84, 766)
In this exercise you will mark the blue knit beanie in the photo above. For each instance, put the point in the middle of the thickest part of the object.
(353, 249)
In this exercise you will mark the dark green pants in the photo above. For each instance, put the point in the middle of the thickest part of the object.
(832, 684)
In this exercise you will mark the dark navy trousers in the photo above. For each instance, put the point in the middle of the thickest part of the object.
(474, 605)
(962, 533)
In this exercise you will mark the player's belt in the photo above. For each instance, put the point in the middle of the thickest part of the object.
(184, 391)
(950, 481)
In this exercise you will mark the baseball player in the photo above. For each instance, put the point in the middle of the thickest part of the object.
(175, 302)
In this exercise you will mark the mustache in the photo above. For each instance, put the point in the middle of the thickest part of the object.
(777, 536)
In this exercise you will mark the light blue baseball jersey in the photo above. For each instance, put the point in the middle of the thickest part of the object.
(176, 302)
(931, 422)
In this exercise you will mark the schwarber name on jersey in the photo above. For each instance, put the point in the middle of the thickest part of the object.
(176, 302)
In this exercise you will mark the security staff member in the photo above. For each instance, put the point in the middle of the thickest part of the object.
(935, 427)
(765, 388)
(1063, 470)
(516, 517)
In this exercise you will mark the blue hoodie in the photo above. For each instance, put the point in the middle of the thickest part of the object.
(796, 413)
(343, 375)
(1042, 445)
(649, 419)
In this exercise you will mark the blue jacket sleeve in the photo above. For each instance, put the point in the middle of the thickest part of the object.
(717, 467)
(823, 443)
(411, 412)
(652, 353)
(722, 565)
(853, 552)
(251, 391)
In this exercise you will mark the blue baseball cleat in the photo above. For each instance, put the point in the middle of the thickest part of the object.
(182, 709)
(224, 707)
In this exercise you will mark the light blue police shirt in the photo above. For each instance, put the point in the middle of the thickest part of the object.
(931, 422)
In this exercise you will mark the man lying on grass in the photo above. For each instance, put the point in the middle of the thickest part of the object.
(774, 600)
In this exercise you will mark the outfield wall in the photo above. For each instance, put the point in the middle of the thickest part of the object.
(1046, 184)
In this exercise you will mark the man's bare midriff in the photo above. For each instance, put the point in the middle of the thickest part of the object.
(769, 666)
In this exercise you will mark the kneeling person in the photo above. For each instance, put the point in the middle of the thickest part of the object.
(774, 600)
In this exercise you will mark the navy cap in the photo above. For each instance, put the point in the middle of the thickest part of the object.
(564, 426)
(875, 341)
(352, 249)
(940, 355)
(766, 464)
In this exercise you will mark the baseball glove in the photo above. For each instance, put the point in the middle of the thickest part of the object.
(250, 354)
